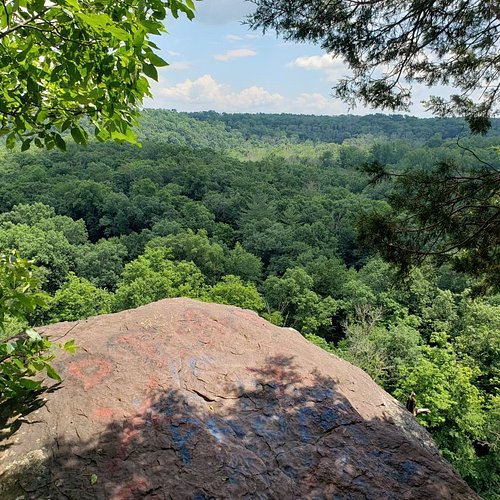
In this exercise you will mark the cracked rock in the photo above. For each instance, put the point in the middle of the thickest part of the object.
(185, 400)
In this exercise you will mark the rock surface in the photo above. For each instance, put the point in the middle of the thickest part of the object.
(181, 399)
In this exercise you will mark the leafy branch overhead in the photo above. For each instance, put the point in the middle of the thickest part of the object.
(445, 212)
(390, 44)
(63, 60)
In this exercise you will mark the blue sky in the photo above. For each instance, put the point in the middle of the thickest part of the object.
(218, 63)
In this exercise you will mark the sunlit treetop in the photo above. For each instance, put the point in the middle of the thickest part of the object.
(65, 60)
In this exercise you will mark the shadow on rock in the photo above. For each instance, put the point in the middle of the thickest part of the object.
(280, 437)
(14, 413)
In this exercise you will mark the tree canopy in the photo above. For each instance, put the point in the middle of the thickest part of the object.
(269, 225)
(452, 209)
(63, 60)
(390, 44)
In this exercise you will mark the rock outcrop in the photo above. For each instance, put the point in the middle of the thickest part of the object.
(181, 399)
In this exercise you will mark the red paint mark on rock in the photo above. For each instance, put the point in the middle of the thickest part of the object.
(104, 412)
(90, 371)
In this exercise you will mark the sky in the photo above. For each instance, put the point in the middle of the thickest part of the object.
(217, 63)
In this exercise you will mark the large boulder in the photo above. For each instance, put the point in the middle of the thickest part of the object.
(181, 399)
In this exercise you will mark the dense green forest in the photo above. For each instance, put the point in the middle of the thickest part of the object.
(262, 211)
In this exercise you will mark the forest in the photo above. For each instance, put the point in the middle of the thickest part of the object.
(264, 212)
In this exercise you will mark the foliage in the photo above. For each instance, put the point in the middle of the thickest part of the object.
(450, 211)
(243, 264)
(101, 263)
(432, 43)
(78, 299)
(232, 290)
(478, 340)
(287, 129)
(44, 217)
(26, 354)
(487, 477)
(20, 291)
(154, 276)
(194, 247)
(457, 416)
(50, 250)
(320, 342)
(68, 59)
(292, 297)
(23, 357)
(382, 352)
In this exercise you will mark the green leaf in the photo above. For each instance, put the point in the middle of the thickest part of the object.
(70, 346)
(77, 135)
(52, 373)
(11, 140)
(38, 365)
(102, 22)
(93, 479)
(31, 385)
(33, 335)
(66, 124)
(32, 86)
(10, 347)
(157, 60)
(60, 143)
(118, 33)
(22, 55)
(150, 70)
(72, 60)
(41, 116)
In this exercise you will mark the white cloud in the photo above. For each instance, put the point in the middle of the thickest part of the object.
(326, 61)
(206, 93)
(233, 38)
(232, 54)
(333, 67)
